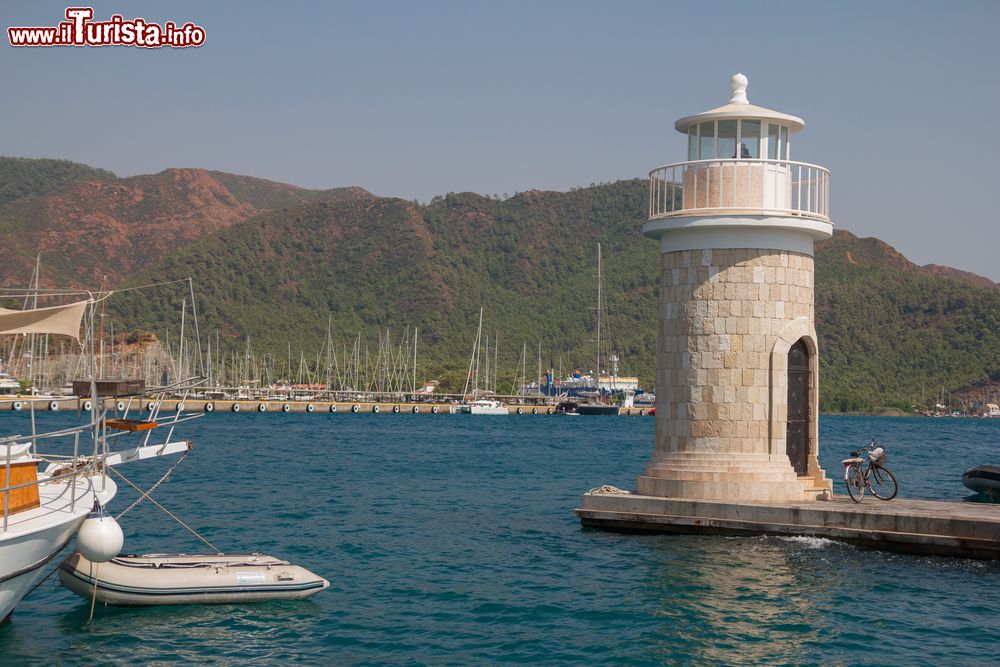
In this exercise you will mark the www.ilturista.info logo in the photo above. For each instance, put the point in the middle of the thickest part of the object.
(80, 30)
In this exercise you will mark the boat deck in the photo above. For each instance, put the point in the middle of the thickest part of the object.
(58, 503)
(970, 530)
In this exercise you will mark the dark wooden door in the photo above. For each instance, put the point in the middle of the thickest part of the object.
(797, 434)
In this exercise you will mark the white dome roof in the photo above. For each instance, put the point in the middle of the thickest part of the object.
(740, 107)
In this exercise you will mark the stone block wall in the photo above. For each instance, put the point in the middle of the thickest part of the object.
(719, 395)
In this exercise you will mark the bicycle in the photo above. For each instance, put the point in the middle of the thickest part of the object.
(874, 476)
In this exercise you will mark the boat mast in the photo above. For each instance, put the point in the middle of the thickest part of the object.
(472, 359)
(539, 377)
(180, 346)
(598, 370)
(197, 332)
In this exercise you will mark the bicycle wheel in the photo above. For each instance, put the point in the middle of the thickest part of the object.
(855, 483)
(882, 483)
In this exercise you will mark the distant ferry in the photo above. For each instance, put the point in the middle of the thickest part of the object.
(483, 407)
(580, 385)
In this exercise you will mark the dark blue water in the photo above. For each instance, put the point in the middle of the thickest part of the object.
(452, 540)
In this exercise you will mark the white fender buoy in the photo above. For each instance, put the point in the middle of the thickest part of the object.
(150, 406)
(549, 411)
(236, 407)
(375, 409)
(355, 407)
(534, 411)
(520, 411)
(87, 405)
(642, 413)
(434, 410)
(416, 410)
(261, 407)
(309, 407)
(100, 538)
(286, 407)
(53, 405)
(210, 407)
(120, 406)
(395, 408)
(179, 406)
(333, 407)
(16, 405)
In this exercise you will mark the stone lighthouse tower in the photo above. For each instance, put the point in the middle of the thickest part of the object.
(737, 360)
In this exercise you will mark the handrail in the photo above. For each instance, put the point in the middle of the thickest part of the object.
(744, 160)
(91, 463)
(756, 186)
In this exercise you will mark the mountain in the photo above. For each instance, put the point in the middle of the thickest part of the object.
(385, 263)
(274, 262)
(957, 274)
(892, 333)
(24, 177)
(90, 226)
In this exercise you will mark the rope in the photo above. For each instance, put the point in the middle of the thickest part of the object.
(120, 515)
(153, 488)
(129, 289)
(168, 512)
(607, 488)
(93, 598)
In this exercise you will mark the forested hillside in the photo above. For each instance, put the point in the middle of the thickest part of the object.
(275, 263)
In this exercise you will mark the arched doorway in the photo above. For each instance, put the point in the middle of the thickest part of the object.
(797, 433)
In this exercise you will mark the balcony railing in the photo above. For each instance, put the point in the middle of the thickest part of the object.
(747, 186)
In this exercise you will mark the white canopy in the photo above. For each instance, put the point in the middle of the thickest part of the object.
(63, 320)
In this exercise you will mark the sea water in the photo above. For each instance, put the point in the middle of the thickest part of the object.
(452, 540)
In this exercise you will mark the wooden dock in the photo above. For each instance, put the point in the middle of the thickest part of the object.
(270, 406)
(968, 530)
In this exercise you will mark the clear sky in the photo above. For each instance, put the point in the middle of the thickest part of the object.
(419, 98)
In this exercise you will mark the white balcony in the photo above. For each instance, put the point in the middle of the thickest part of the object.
(740, 187)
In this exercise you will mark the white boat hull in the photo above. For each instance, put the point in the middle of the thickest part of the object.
(157, 579)
(484, 408)
(488, 411)
(25, 557)
(36, 536)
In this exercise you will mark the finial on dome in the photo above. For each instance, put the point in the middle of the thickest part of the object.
(739, 88)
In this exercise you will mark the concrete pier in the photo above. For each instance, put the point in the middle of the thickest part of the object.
(929, 527)
(254, 406)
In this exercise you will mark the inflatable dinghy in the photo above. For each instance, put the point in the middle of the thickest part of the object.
(984, 480)
(162, 579)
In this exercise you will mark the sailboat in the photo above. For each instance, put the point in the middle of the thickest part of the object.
(50, 482)
(598, 405)
(475, 403)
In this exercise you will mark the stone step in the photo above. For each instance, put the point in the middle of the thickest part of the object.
(735, 456)
(767, 490)
(658, 470)
(736, 477)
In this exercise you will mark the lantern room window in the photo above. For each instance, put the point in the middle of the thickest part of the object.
(777, 142)
(719, 139)
(706, 135)
(727, 138)
(750, 139)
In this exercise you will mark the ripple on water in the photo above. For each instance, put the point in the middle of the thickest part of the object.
(451, 540)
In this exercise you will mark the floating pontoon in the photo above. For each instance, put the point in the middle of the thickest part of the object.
(162, 579)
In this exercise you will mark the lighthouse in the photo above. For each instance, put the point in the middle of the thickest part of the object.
(737, 372)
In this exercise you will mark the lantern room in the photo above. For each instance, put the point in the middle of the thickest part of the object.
(739, 162)
(758, 132)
